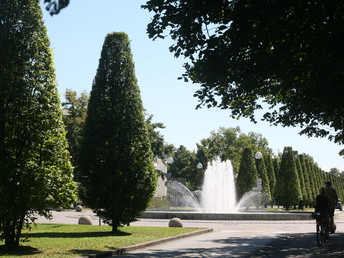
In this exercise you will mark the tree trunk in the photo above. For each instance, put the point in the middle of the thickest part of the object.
(114, 225)
(9, 233)
(19, 229)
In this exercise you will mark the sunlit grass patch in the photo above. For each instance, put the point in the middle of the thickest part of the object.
(65, 240)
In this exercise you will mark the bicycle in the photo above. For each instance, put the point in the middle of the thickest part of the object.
(322, 230)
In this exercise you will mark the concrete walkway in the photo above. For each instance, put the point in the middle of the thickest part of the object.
(249, 239)
(234, 238)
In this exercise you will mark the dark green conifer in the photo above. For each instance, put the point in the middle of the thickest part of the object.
(288, 192)
(35, 170)
(116, 161)
(263, 174)
(271, 175)
(247, 176)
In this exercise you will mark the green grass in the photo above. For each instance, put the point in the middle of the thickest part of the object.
(61, 240)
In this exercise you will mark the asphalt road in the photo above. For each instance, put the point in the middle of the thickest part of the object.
(249, 239)
(234, 238)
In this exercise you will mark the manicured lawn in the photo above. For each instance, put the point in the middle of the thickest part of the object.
(60, 240)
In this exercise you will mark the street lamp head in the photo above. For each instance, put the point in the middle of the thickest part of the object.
(258, 155)
(170, 160)
(199, 165)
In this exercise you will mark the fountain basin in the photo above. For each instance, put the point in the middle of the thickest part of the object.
(227, 216)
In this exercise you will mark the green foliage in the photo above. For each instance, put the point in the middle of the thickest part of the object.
(288, 192)
(156, 139)
(247, 176)
(229, 143)
(185, 166)
(75, 110)
(287, 53)
(263, 174)
(36, 172)
(271, 174)
(55, 6)
(116, 161)
(303, 181)
(308, 196)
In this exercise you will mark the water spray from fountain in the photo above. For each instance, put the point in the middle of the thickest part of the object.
(218, 191)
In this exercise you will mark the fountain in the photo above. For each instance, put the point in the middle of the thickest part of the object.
(218, 199)
(218, 190)
(181, 196)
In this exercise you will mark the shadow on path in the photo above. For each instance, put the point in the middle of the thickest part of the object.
(303, 245)
(227, 247)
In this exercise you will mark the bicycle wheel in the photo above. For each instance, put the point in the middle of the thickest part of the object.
(320, 234)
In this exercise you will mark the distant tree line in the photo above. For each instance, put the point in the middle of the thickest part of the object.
(286, 178)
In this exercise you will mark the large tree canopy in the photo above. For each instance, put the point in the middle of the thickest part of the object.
(35, 170)
(55, 6)
(287, 54)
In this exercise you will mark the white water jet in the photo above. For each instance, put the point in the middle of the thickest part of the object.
(249, 199)
(218, 191)
(180, 196)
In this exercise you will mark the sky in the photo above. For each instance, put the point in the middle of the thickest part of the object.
(77, 35)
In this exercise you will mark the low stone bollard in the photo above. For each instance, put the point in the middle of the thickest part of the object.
(78, 208)
(85, 220)
(175, 223)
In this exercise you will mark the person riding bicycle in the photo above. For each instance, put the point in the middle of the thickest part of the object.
(322, 205)
(333, 197)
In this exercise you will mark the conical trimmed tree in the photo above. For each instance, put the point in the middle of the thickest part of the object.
(247, 176)
(263, 174)
(271, 175)
(116, 161)
(288, 191)
(35, 170)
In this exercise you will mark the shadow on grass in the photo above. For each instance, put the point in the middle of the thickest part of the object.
(75, 234)
(84, 252)
(18, 251)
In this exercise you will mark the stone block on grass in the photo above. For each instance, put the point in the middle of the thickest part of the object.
(85, 220)
(175, 223)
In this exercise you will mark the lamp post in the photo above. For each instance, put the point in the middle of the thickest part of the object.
(169, 160)
(258, 156)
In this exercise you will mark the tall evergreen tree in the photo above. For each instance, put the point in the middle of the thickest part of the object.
(263, 174)
(288, 192)
(301, 177)
(116, 161)
(35, 170)
(271, 174)
(313, 189)
(247, 176)
(308, 197)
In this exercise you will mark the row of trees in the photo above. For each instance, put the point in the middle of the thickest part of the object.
(108, 135)
(286, 178)
(113, 155)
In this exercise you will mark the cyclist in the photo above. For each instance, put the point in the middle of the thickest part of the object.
(333, 197)
(322, 205)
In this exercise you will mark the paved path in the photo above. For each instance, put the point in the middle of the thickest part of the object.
(236, 238)
(249, 239)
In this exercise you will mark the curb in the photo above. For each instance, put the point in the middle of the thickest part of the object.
(127, 249)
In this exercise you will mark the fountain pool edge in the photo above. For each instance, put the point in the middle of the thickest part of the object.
(227, 216)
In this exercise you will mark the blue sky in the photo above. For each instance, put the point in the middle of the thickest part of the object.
(77, 35)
